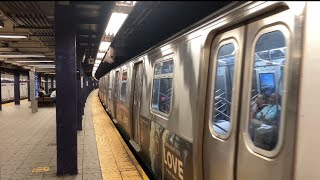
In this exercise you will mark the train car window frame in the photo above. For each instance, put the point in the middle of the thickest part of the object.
(169, 57)
(121, 81)
(226, 41)
(282, 120)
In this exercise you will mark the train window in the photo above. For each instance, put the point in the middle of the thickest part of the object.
(223, 87)
(123, 89)
(266, 92)
(162, 86)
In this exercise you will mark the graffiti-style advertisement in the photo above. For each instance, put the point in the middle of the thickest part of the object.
(177, 157)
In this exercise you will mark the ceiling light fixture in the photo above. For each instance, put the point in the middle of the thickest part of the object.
(13, 36)
(126, 3)
(104, 46)
(1, 24)
(100, 55)
(20, 55)
(43, 65)
(115, 22)
(34, 61)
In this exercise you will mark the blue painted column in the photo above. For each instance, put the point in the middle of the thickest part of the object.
(46, 87)
(66, 84)
(39, 80)
(16, 88)
(51, 82)
(79, 103)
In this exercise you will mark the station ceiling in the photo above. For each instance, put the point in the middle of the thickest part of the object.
(149, 23)
(35, 19)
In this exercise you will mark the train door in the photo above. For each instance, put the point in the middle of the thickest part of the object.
(220, 138)
(137, 90)
(106, 92)
(249, 115)
(109, 92)
(269, 97)
(115, 95)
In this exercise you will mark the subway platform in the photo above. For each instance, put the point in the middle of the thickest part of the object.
(28, 145)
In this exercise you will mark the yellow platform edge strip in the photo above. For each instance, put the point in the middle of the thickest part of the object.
(102, 126)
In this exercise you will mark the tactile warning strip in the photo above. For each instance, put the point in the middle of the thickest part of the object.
(116, 159)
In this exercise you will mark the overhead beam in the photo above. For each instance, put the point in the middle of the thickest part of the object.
(33, 27)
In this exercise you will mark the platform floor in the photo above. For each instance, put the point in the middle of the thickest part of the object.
(28, 145)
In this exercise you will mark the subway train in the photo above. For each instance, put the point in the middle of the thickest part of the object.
(7, 87)
(232, 97)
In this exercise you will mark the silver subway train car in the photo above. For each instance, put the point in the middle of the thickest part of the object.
(233, 97)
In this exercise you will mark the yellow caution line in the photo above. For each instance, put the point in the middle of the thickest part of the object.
(116, 159)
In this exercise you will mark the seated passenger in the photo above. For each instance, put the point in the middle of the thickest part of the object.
(41, 92)
(257, 105)
(268, 115)
(53, 95)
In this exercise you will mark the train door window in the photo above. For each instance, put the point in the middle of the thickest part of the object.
(224, 75)
(123, 90)
(162, 86)
(266, 90)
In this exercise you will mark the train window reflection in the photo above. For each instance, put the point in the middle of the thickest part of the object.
(223, 89)
(162, 86)
(266, 92)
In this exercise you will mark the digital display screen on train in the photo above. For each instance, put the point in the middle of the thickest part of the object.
(267, 84)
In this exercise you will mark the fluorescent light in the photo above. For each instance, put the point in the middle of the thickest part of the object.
(126, 3)
(34, 61)
(42, 65)
(97, 62)
(20, 55)
(100, 55)
(95, 65)
(104, 46)
(115, 23)
(13, 36)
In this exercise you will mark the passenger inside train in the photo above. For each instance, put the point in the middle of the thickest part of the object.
(257, 105)
(267, 82)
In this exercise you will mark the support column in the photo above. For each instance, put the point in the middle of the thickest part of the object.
(0, 92)
(66, 84)
(28, 81)
(46, 87)
(51, 82)
(16, 88)
(82, 91)
(39, 80)
(79, 115)
(32, 83)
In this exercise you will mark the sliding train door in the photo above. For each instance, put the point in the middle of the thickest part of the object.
(136, 104)
(251, 107)
(270, 97)
(220, 133)
(115, 95)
